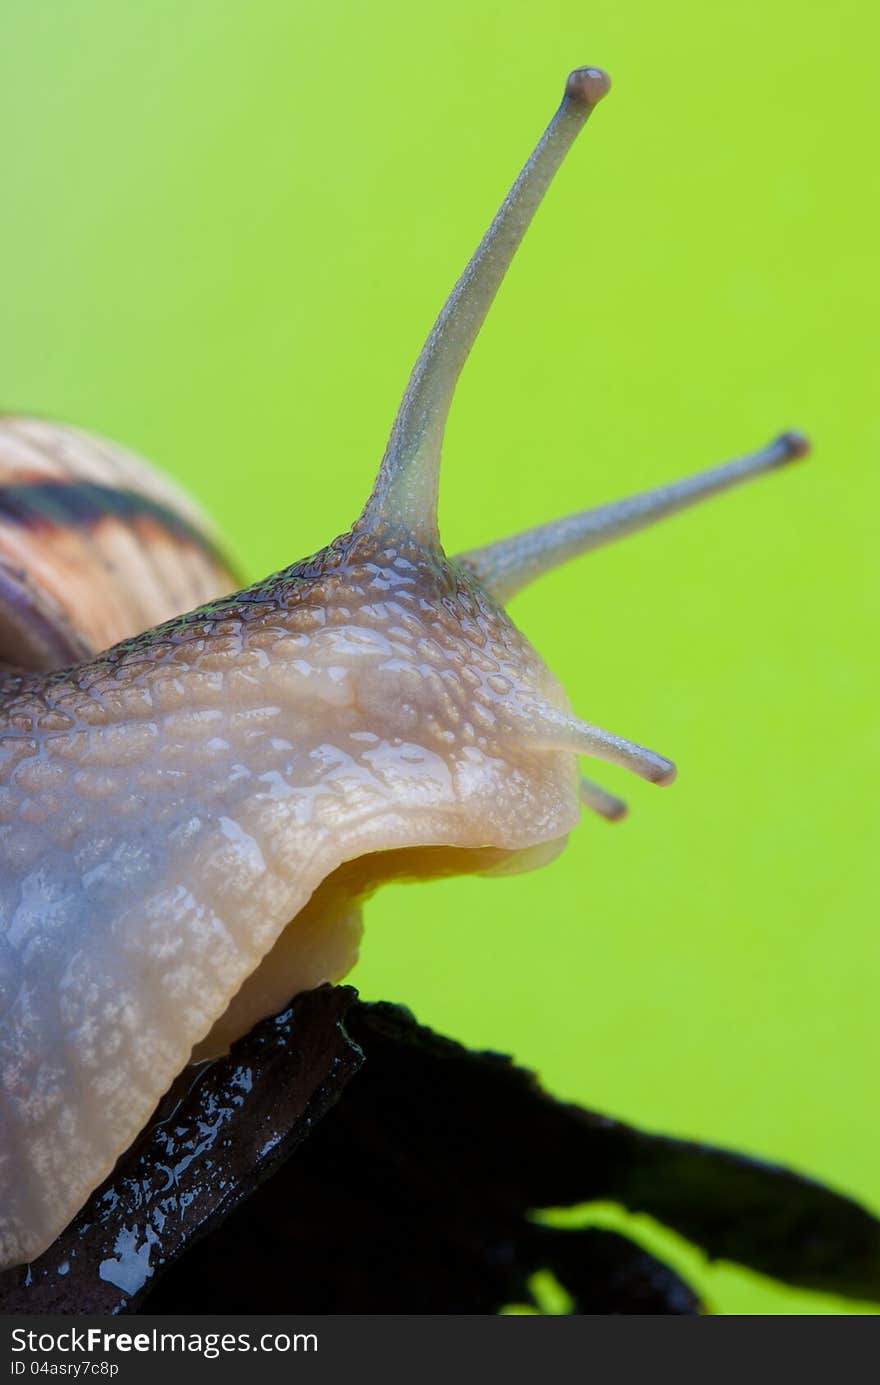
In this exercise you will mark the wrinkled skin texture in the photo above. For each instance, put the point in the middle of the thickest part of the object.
(168, 808)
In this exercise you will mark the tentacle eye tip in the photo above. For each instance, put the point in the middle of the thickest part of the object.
(587, 85)
(793, 446)
(665, 773)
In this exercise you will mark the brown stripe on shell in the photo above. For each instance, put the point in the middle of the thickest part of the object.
(177, 577)
(95, 546)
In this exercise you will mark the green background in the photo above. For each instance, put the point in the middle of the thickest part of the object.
(226, 228)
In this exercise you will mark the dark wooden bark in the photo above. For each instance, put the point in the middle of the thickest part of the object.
(344, 1159)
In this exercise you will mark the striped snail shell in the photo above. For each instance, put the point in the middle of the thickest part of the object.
(95, 546)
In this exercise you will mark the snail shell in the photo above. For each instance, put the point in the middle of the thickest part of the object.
(191, 819)
(95, 546)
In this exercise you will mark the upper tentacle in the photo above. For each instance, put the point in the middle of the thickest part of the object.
(405, 492)
(510, 564)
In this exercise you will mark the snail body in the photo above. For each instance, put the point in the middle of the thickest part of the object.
(191, 819)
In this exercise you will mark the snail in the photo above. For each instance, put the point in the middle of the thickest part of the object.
(193, 806)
